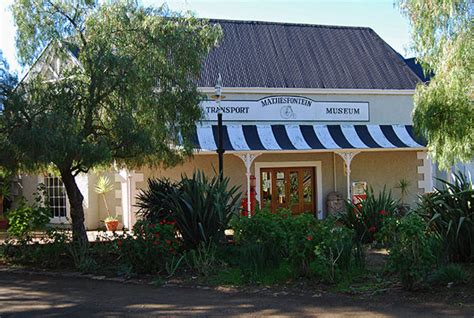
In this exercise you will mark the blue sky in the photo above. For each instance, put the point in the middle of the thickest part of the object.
(380, 15)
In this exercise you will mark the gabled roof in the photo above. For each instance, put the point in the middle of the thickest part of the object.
(284, 55)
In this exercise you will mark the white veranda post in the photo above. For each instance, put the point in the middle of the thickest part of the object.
(248, 158)
(347, 156)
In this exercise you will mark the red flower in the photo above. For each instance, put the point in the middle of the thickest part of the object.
(168, 242)
(309, 238)
(171, 249)
(119, 243)
(157, 235)
(383, 212)
(372, 229)
(155, 242)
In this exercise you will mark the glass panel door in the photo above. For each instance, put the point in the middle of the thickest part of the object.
(292, 188)
(280, 189)
(267, 188)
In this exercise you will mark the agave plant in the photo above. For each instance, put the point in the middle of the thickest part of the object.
(201, 207)
(449, 211)
(153, 202)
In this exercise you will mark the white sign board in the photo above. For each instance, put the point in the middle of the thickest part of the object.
(286, 108)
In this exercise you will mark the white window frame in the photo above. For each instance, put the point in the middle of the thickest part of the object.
(288, 164)
(59, 220)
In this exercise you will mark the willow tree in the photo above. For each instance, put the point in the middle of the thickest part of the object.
(443, 38)
(109, 84)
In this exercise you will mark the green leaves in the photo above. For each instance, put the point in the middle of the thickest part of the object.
(201, 207)
(443, 39)
(113, 84)
(449, 212)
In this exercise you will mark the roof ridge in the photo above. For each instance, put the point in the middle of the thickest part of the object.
(328, 26)
(398, 58)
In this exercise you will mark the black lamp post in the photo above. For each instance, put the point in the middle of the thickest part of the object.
(220, 149)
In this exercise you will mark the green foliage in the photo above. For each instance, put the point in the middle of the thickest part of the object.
(128, 96)
(102, 187)
(410, 253)
(443, 39)
(333, 251)
(261, 240)
(52, 252)
(148, 248)
(201, 207)
(203, 260)
(450, 273)
(81, 257)
(311, 247)
(450, 213)
(366, 218)
(28, 217)
(153, 202)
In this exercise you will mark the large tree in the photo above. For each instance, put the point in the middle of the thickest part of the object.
(443, 38)
(109, 84)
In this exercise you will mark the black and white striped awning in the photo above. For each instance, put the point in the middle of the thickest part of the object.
(306, 137)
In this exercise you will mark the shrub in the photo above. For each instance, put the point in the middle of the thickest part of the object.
(200, 206)
(204, 259)
(450, 274)
(153, 203)
(366, 218)
(333, 251)
(51, 252)
(450, 213)
(26, 218)
(261, 240)
(410, 253)
(268, 239)
(148, 248)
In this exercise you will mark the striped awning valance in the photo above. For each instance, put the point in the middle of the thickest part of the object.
(306, 137)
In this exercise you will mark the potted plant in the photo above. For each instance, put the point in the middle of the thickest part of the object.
(102, 187)
(4, 194)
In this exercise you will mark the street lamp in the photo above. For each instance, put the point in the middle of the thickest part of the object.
(220, 150)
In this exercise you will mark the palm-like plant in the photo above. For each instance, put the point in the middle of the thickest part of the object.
(201, 207)
(102, 187)
(450, 213)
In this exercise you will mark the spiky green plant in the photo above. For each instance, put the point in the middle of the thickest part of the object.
(201, 207)
(366, 217)
(102, 187)
(450, 213)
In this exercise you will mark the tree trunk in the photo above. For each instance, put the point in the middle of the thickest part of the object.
(75, 197)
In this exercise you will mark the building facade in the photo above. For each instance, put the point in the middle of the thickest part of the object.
(309, 111)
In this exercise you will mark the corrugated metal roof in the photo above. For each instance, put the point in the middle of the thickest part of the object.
(284, 55)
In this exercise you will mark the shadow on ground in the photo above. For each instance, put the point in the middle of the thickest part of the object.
(43, 296)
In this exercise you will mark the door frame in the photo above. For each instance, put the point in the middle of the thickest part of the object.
(288, 164)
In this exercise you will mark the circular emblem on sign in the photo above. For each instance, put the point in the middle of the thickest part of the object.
(286, 112)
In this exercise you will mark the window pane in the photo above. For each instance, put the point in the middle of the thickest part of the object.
(280, 187)
(266, 189)
(294, 189)
(308, 186)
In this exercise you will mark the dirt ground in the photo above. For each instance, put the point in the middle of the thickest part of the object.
(37, 295)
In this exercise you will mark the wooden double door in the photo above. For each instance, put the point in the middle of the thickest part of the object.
(292, 188)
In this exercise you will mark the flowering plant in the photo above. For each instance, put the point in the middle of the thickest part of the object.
(367, 216)
(149, 246)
